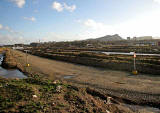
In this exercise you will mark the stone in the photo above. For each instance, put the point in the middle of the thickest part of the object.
(108, 111)
(56, 82)
(109, 100)
(58, 89)
(34, 96)
(53, 103)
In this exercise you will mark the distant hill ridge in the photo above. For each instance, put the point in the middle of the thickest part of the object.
(115, 37)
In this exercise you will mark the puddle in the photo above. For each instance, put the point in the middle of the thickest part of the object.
(68, 76)
(10, 73)
(131, 53)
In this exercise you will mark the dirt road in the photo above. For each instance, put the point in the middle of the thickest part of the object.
(116, 83)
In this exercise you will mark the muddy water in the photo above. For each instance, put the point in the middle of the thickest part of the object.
(11, 73)
(68, 76)
(122, 53)
(142, 109)
(131, 53)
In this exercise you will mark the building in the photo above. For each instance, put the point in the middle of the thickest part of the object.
(18, 48)
(145, 38)
(146, 43)
(18, 45)
(134, 38)
(34, 44)
(128, 38)
(90, 45)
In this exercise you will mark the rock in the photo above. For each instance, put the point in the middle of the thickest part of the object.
(6, 85)
(1, 85)
(17, 79)
(109, 100)
(58, 89)
(53, 103)
(56, 82)
(34, 96)
(108, 111)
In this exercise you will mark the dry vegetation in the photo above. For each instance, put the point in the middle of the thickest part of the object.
(35, 94)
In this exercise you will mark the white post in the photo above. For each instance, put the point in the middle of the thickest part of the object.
(26, 58)
(134, 63)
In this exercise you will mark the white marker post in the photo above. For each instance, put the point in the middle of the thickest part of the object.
(27, 65)
(135, 72)
(134, 61)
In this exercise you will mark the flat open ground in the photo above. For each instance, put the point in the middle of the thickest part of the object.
(117, 83)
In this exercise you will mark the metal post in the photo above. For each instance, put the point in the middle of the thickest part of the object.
(26, 58)
(134, 63)
(135, 72)
(27, 65)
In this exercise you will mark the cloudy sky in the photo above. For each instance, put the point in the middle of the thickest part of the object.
(24, 21)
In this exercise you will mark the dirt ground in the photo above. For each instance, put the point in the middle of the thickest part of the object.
(117, 83)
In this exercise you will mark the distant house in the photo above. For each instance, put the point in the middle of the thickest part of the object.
(128, 38)
(18, 45)
(134, 38)
(145, 43)
(145, 38)
(34, 44)
(18, 48)
(90, 45)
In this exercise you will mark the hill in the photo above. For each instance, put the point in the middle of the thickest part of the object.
(115, 37)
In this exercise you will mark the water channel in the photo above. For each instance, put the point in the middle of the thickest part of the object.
(10, 73)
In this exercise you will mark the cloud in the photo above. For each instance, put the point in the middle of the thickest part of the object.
(157, 1)
(30, 18)
(6, 28)
(53, 36)
(35, 11)
(93, 24)
(1, 26)
(19, 3)
(145, 25)
(60, 7)
(96, 29)
(57, 6)
(78, 20)
(10, 39)
(35, 1)
(69, 8)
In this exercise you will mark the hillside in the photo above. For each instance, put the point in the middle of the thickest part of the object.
(115, 37)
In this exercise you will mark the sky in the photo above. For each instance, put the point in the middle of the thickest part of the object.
(25, 21)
